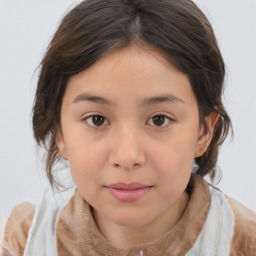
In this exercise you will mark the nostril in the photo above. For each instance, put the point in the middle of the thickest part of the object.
(131, 166)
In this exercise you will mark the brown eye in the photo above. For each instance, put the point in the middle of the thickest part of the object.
(159, 120)
(96, 120)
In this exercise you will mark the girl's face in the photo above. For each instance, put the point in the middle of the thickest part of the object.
(130, 131)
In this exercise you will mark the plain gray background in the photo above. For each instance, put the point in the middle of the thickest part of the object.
(26, 28)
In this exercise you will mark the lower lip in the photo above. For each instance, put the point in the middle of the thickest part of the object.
(128, 195)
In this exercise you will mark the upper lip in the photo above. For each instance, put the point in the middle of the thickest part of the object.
(132, 185)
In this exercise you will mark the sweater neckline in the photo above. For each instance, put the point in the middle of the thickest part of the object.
(76, 221)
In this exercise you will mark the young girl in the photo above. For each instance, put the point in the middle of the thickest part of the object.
(129, 95)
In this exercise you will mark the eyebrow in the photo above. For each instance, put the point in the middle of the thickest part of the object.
(162, 98)
(92, 98)
(147, 101)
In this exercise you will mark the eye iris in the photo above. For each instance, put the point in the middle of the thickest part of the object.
(98, 120)
(158, 120)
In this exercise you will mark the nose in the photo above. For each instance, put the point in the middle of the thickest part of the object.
(127, 151)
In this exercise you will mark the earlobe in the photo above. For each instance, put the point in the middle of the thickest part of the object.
(205, 135)
(61, 145)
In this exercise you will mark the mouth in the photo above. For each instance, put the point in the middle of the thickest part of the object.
(130, 192)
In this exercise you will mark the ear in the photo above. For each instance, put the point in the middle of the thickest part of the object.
(205, 136)
(59, 140)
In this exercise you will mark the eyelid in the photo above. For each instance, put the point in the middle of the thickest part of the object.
(85, 118)
(171, 119)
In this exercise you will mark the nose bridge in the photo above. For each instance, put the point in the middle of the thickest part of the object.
(127, 151)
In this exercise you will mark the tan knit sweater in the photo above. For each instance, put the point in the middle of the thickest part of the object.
(77, 233)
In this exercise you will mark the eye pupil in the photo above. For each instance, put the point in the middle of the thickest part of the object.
(98, 120)
(159, 120)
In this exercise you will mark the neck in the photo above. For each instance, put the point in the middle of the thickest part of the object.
(127, 237)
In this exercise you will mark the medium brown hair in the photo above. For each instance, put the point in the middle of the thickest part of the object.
(177, 28)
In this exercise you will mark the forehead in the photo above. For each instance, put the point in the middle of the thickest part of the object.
(131, 71)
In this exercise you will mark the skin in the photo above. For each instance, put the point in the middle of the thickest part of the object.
(129, 145)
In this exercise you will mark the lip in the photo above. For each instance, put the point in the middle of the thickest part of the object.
(128, 192)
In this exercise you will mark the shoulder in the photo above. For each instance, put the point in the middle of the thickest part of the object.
(17, 228)
(244, 236)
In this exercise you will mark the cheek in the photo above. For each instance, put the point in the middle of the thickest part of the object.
(86, 167)
(177, 155)
(174, 160)
(174, 172)
(86, 162)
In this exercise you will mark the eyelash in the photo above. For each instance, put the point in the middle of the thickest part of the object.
(166, 119)
(91, 117)
(90, 123)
